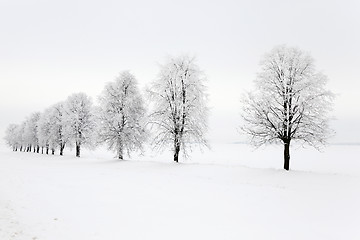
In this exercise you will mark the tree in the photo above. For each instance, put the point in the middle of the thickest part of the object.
(290, 102)
(46, 134)
(30, 132)
(121, 115)
(179, 114)
(11, 136)
(44, 131)
(58, 127)
(20, 136)
(80, 120)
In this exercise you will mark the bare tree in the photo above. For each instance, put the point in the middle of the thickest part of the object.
(290, 102)
(179, 115)
(121, 115)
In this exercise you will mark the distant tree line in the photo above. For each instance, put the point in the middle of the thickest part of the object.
(121, 120)
(290, 102)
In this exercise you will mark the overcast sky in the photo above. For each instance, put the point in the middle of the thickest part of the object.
(50, 49)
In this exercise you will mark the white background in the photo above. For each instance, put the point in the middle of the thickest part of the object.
(50, 49)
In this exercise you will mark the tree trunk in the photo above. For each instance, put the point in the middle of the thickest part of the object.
(53, 151)
(120, 152)
(37, 149)
(62, 146)
(42, 150)
(34, 149)
(287, 155)
(176, 150)
(78, 149)
(47, 149)
(20, 148)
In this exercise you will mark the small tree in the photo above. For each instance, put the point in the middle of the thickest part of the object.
(46, 134)
(20, 136)
(44, 131)
(79, 120)
(179, 114)
(58, 126)
(121, 115)
(11, 136)
(290, 102)
(30, 131)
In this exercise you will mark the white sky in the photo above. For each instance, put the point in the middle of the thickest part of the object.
(50, 49)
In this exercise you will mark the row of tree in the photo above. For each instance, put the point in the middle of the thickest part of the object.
(177, 116)
(290, 102)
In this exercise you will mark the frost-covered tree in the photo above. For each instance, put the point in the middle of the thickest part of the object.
(121, 115)
(58, 128)
(44, 131)
(79, 119)
(20, 136)
(30, 132)
(26, 137)
(46, 134)
(290, 102)
(179, 114)
(11, 136)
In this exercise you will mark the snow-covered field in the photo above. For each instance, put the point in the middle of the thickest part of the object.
(230, 192)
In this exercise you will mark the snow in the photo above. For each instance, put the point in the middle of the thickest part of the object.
(229, 192)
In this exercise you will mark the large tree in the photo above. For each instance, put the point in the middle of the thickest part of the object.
(179, 114)
(290, 102)
(121, 115)
(80, 121)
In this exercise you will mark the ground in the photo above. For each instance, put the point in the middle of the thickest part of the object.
(229, 192)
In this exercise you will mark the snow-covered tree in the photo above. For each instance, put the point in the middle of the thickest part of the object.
(79, 119)
(52, 128)
(44, 131)
(46, 135)
(26, 138)
(20, 136)
(58, 128)
(30, 132)
(11, 136)
(179, 114)
(121, 115)
(290, 102)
